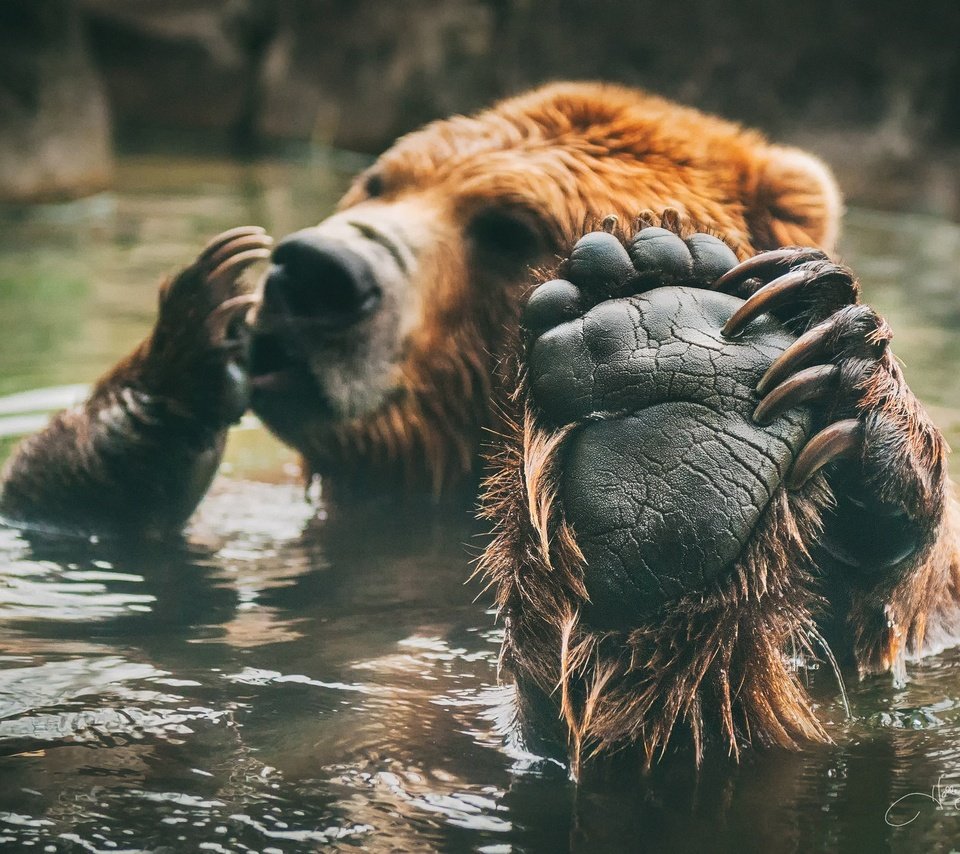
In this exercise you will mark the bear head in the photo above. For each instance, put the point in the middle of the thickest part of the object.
(381, 330)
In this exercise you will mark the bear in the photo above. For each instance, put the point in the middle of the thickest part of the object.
(392, 343)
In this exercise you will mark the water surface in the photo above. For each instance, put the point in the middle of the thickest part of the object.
(294, 677)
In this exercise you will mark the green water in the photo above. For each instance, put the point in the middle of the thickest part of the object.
(290, 680)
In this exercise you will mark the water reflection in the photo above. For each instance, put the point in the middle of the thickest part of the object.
(293, 676)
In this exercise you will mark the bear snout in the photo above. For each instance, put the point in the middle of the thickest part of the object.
(320, 282)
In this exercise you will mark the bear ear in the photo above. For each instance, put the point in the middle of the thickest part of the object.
(796, 202)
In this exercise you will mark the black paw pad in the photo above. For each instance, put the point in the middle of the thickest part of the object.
(661, 257)
(599, 263)
(552, 303)
(711, 257)
(666, 474)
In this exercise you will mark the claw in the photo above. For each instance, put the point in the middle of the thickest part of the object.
(809, 346)
(806, 385)
(219, 320)
(670, 219)
(235, 247)
(225, 237)
(763, 263)
(229, 270)
(768, 297)
(645, 219)
(842, 439)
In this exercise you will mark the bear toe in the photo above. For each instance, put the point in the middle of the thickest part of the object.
(600, 263)
(711, 257)
(550, 304)
(660, 255)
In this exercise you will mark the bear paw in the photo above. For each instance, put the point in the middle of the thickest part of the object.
(666, 472)
(696, 441)
(196, 356)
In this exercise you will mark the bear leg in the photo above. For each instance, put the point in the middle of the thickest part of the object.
(654, 562)
(651, 565)
(137, 456)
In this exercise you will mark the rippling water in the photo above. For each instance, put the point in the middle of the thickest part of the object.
(294, 677)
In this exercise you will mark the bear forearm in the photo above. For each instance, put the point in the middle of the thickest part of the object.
(138, 456)
(123, 462)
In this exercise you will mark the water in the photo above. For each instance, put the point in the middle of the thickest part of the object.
(292, 679)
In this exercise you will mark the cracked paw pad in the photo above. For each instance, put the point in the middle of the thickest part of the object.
(667, 475)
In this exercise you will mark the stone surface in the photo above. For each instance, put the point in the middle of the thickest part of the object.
(54, 124)
(358, 73)
(181, 64)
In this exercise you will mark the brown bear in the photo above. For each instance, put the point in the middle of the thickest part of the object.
(700, 457)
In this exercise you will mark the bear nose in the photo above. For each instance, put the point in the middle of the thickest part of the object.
(314, 278)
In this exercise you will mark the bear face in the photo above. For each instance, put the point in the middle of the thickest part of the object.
(380, 331)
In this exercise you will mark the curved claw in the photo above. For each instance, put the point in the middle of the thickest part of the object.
(803, 386)
(229, 270)
(764, 263)
(808, 347)
(226, 236)
(236, 246)
(219, 320)
(768, 297)
(842, 439)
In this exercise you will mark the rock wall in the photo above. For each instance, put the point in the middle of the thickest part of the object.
(54, 124)
(357, 73)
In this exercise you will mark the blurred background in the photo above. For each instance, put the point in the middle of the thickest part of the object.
(873, 87)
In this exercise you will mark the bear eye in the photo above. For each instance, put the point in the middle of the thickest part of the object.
(374, 185)
(508, 236)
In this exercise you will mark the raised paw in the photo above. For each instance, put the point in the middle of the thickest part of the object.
(196, 356)
(651, 566)
(695, 465)
(665, 474)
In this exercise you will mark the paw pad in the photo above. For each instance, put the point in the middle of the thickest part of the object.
(599, 262)
(552, 303)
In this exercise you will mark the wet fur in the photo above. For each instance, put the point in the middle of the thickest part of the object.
(717, 667)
